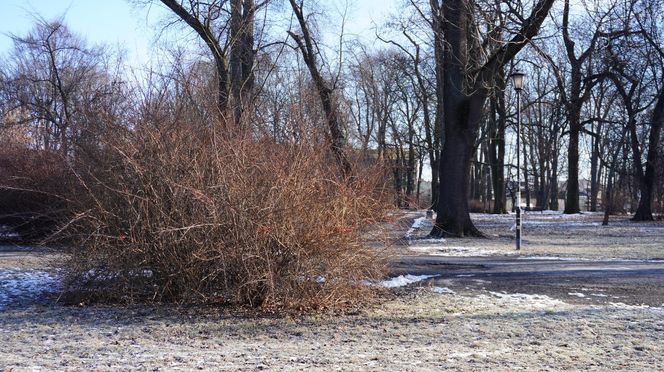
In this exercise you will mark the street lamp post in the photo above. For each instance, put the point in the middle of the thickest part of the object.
(517, 82)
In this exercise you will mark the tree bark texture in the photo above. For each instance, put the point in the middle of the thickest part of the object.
(497, 148)
(647, 182)
(242, 55)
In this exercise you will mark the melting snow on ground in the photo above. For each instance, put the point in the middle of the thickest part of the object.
(418, 224)
(404, 280)
(443, 250)
(632, 307)
(22, 284)
(576, 294)
(548, 214)
(532, 299)
(7, 233)
(437, 246)
(559, 258)
(442, 290)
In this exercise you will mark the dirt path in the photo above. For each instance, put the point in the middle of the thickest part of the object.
(588, 281)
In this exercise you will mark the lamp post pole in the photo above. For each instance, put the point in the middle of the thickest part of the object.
(517, 81)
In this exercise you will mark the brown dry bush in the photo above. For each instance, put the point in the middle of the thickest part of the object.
(171, 215)
(32, 186)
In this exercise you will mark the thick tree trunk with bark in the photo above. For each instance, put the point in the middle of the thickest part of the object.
(572, 198)
(453, 218)
(242, 55)
(497, 149)
(647, 182)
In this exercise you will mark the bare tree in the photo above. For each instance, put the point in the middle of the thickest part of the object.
(466, 81)
(308, 48)
(53, 84)
(423, 65)
(227, 29)
(651, 29)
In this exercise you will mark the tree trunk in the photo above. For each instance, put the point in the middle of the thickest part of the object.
(595, 170)
(572, 198)
(609, 199)
(438, 26)
(453, 218)
(497, 151)
(306, 46)
(525, 174)
(419, 179)
(553, 193)
(242, 55)
(647, 182)
(207, 35)
(410, 165)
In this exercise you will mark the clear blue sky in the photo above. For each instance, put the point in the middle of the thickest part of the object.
(112, 22)
(117, 23)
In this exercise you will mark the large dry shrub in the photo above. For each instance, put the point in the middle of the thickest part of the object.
(171, 214)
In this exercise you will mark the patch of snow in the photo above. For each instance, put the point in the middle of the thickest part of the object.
(464, 275)
(614, 259)
(19, 284)
(635, 307)
(438, 250)
(531, 223)
(7, 233)
(576, 294)
(540, 300)
(475, 354)
(548, 214)
(102, 275)
(429, 240)
(94, 274)
(553, 258)
(418, 224)
(442, 290)
(598, 295)
(404, 280)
